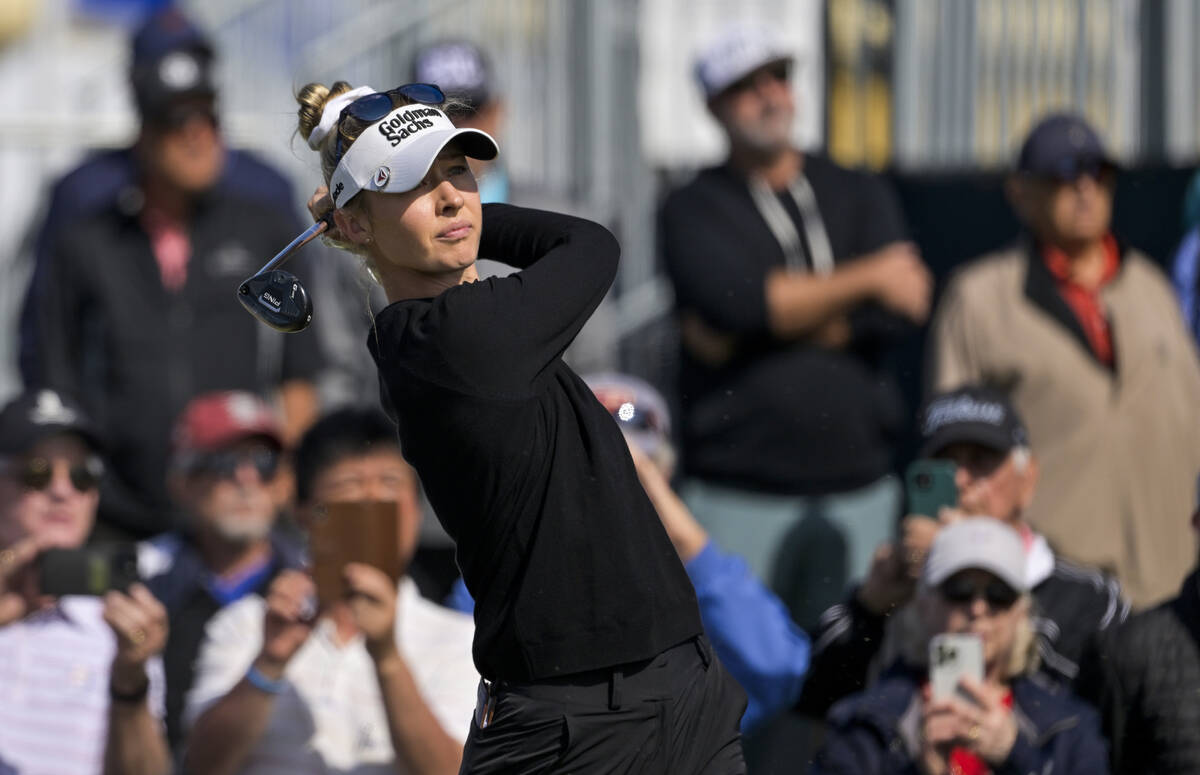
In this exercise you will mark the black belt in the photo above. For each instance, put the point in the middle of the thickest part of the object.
(602, 686)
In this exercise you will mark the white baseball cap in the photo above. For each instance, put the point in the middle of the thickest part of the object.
(981, 543)
(735, 53)
(394, 153)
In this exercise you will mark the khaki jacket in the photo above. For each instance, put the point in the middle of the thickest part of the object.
(1118, 450)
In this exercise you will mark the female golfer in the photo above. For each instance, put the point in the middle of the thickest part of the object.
(587, 629)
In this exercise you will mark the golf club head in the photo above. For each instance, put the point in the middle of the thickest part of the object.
(278, 299)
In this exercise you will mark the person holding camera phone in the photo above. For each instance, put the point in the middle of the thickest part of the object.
(80, 676)
(379, 678)
(979, 433)
(1003, 721)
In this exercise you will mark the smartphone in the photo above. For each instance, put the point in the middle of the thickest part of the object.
(929, 486)
(90, 570)
(952, 656)
(353, 531)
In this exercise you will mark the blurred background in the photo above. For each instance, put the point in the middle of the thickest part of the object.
(603, 115)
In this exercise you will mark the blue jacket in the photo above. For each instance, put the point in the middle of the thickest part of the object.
(877, 732)
(1185, 276)
(752, 632)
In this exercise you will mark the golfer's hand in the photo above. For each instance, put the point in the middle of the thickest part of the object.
(319, 204)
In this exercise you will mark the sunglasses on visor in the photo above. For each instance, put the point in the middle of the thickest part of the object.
(372, 107)
(37, 473)
(962, 591)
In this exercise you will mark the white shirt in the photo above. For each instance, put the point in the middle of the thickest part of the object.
(330, 718)
(54, 671)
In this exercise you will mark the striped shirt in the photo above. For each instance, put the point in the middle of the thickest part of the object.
(54, 670)
(330, 717)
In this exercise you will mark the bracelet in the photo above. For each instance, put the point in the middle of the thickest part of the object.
(255, 678)
(136, 696)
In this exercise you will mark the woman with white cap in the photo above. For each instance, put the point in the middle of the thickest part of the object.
(587, 630)
(973, 583)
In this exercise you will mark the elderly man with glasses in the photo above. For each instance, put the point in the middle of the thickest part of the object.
(225, 476)
(76, 693)
(1084, 335)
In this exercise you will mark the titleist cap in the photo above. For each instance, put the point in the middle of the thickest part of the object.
(394, 153)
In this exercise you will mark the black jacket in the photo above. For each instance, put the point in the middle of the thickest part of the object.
(781, 415)
(1073, 608)
(102, 327)
(1151, 696)
(878, 732)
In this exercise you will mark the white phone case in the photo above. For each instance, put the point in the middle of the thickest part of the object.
(952, 656)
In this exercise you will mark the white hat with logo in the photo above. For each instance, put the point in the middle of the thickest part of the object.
(395, 153)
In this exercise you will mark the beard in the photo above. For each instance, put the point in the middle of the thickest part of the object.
(768, 134)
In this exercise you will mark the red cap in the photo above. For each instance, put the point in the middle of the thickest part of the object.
(216, 420)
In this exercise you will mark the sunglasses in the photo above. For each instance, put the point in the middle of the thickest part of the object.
(963, 591)
(225, 465)
(37, 473)
(372, 107)
(779, 71)
(1071, 169)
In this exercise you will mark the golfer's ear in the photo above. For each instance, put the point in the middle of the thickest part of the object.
(352, 226)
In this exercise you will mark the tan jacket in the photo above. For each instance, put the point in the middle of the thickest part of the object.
(1119, 451)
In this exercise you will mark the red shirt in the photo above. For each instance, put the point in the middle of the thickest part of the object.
(1085, 302)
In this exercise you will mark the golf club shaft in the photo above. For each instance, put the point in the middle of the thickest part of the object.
(311, 233)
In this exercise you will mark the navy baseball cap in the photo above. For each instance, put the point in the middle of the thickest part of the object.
(39, 414)
(1063, 146)
(971, 415)
(459, 68)
(171, 58)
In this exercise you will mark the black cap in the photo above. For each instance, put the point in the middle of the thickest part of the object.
(171, 59)
(38, 414)
(971, 415)
(458, 67)
(1060, 146)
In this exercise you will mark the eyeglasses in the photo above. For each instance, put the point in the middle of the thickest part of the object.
(225, 464)
(38, 472)
(963, 591)
(372, 107)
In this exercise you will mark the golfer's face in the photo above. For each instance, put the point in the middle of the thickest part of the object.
(434, 228)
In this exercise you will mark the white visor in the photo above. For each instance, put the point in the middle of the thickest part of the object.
(396, 152)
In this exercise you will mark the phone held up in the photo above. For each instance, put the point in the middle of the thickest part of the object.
(89, 570)
(352, 531)
(929, 486)
(951, 657)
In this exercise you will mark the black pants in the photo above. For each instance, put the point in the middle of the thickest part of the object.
(676, 714)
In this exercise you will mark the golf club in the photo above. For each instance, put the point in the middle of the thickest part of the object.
(276, 297)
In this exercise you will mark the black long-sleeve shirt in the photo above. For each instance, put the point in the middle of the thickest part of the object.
(556, 540)
(781, 415)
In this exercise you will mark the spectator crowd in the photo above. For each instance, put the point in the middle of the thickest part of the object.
(209, 533)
